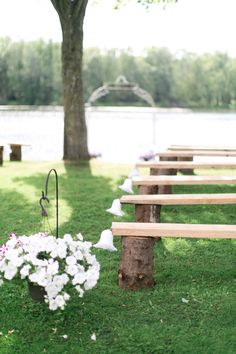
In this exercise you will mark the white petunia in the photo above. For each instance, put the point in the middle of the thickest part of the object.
(80, 290)
(71, 260)
(52, 290)
(10, 271)
(71, 269)
(24, 272)
(52, 268)
(79, 278)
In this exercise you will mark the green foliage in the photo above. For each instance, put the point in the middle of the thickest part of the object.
(150, 321)
(30, 73)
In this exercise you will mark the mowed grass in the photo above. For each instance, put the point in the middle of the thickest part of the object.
(151, 321)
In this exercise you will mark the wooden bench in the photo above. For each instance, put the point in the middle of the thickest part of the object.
(148, 206)
(191, 153)
(172, 167)
(178, 165)
(135, 229)
(16, 151)
(201, 148)
(151, 184)
(136, 268)
(184, 153)
(179, 199)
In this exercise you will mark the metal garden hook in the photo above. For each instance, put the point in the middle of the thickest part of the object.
(45, 197)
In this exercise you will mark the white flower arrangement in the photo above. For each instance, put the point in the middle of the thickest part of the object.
(51, 263)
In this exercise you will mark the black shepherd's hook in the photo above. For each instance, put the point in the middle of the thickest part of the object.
(45, 197)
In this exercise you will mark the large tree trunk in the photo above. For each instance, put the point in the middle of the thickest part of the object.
(71, 14)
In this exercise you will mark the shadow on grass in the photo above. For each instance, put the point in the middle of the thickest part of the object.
(17, 214)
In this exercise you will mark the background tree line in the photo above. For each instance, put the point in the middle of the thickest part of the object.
(30, 74)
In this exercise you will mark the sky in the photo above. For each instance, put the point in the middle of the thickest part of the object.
(197, 26)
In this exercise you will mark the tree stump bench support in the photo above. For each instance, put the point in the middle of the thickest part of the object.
(1, 154)
(16, 154)
(16, 151)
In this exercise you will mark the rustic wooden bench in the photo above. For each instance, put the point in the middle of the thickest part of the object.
(191, 153)
(187, 153)
(148, 206)
(172, 167)
(153, 184)
(135, 229)
(201, 148)
(178, 165)
(16, 151)
(136, 268)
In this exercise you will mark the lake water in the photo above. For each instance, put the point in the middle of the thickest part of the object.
(120, 134)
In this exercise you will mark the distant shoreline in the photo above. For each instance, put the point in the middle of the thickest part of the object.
(22, 108)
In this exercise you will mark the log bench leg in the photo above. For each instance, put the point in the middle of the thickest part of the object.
(186, 158)
(15, 154)
(1, 155)
(137, 263)
(166, 172)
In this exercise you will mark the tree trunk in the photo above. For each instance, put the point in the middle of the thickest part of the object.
(71, 14)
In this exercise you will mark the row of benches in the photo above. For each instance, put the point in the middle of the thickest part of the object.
(137, 260)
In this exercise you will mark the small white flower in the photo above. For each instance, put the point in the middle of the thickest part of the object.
(71, 260)
(93, 337)
(185, 301)
(80, 290)
(10, 271)
(24, 272)
(71, 269)
(80, 237)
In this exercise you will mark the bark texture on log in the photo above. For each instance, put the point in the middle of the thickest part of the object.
(15, 154)
(184, 170)
(166, 172)
(1, 155)
(137, 263)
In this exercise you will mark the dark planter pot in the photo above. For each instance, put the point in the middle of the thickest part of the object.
(36, 292)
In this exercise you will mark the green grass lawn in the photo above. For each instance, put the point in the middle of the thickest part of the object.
(150, 321)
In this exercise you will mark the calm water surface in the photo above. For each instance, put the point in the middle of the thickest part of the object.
(120, 134)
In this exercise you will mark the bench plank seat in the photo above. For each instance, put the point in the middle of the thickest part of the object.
(179, 199)
(184, 165)
(182, 180)
(173, 230)
(190, 153)
(201, 148)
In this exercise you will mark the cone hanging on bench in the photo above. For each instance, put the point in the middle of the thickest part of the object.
(106, 241)
(116, 208)
(134, 172)
(127, 186)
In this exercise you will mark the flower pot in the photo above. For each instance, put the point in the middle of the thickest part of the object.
(37, 292)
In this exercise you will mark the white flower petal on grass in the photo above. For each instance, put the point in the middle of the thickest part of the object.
(80, 237)
(93, 337)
